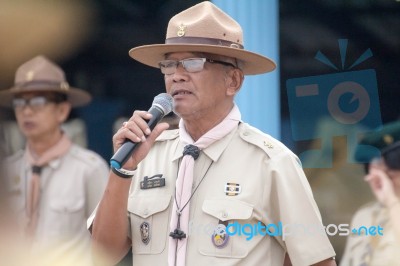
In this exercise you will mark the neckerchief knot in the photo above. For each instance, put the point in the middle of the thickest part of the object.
(191, 150)
(36, 169)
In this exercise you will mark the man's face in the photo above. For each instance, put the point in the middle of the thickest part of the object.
(202, 94)
(38, 115)
(393, 174)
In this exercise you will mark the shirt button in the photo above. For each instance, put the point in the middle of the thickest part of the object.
(246, 133)
(146, 212)
(224, 215)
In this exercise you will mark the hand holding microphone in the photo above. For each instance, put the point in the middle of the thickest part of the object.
(133, 132)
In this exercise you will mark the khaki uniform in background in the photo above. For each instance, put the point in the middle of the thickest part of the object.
(372, 250)
(71, 188)
(271, 188)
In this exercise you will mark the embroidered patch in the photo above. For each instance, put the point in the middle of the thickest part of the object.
(145, 232)
(220, 238)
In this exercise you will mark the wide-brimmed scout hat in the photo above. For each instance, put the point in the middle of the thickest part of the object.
(40, 74)
(375, 143)
(204, 28)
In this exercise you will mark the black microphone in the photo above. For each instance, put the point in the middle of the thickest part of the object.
(162, 105)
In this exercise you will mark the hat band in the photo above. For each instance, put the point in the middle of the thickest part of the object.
(201, 40)
(37, 84)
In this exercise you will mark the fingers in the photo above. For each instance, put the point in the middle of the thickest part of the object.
(137, 130)
(138, 124)
(158, 130)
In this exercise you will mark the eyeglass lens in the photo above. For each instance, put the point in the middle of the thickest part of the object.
(190, 65)
(34, 102)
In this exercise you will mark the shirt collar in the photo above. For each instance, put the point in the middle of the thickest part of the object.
(213, 151)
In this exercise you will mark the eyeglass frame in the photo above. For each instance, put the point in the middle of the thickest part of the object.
(43, 100)
(183, 61)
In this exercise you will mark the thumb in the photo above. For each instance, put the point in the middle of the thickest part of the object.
(160, 128)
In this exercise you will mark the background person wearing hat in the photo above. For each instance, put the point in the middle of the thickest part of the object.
(54, 184)
(212, 171)
(380, 151)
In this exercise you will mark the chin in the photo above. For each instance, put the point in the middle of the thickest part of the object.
(181, 109)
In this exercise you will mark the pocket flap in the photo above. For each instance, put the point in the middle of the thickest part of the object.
(145, 206)
(224, 209)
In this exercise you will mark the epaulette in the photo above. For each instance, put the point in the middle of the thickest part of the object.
(268, 144)
(85, 155)
(168, 134)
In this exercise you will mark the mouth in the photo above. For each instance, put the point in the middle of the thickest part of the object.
(180, 92)
(28, 124)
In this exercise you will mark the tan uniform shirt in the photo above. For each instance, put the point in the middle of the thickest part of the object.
(70, 190)
(370, 250)
(269, 187)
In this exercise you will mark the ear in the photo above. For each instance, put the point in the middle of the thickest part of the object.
(63, 110)
(233, 81)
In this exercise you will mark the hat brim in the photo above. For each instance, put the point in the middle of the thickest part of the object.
(75, 96)
(253, 63)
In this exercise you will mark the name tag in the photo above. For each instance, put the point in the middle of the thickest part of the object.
(152, 182)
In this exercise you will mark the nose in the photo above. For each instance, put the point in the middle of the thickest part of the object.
(180, 74)
(26, 109)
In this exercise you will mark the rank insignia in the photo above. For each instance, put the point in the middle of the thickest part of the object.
(220, 237)
(145, 232)
(152, 182)
(181, 30)
(268, 144)
(232, 189)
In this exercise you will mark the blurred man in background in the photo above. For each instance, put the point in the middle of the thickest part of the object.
(54, 184)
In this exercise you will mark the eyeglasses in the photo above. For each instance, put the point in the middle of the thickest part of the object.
(35, 103)
(191, 65)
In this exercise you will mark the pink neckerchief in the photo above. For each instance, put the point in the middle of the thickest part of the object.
(177, 248)
(32, 204)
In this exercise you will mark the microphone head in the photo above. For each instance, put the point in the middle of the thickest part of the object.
(164, 101)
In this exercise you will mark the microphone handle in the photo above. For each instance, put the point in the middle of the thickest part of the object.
(125, 151)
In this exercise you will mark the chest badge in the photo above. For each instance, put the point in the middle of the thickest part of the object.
(220, 237)
(232, 189)
(145, 232)
(152, 182)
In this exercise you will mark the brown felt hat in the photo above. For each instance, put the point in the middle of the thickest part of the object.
(40, 74)
(204, 28)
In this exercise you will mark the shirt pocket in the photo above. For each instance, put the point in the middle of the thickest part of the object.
(67, 215)
(226, 211)
(153, 212)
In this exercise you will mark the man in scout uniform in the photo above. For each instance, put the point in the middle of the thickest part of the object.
(54, 184)
(380, 151)
(215, 169)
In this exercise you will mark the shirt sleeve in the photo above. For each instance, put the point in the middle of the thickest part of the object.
(96, 181)
(294, 208)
